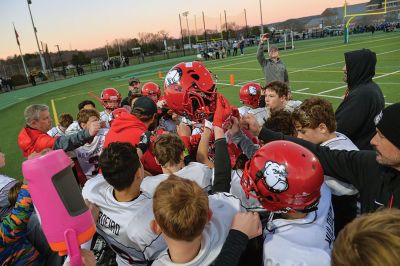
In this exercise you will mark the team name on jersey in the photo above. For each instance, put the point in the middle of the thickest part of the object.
(330, 232)
(108, 223)
(85, 154)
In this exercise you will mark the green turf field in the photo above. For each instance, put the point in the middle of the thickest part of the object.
(314, 70)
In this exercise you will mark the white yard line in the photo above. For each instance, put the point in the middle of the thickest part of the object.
(316, 81)
(302, 89)
(329, 64)
(309, 68)
(344, 86)
(253, 80)
(302, 92)
(326, 96)
(321, 49)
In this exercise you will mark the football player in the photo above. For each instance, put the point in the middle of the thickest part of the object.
(111, 100)
(151, 90)
(249, 95)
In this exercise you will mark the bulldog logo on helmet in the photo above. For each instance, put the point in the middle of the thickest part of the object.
(276, 176)
(252, 90)
(173, 76)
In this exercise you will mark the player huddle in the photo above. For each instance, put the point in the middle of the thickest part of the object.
(184, 177)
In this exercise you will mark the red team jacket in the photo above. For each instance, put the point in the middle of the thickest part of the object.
(128, 128)
(32, 140)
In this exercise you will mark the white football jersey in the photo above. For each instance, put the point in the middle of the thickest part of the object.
(106, 117)
(294, 103)
(168, 124)
(125, 225)
(194, 171)
(262, 114)
(224, 207)
(306, 241)
(249, 203)
(55, 132)
(243, 110)
(340, 188)
(88, 154)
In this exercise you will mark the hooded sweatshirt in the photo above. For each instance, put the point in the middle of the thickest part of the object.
(356, 114)
(129, 128)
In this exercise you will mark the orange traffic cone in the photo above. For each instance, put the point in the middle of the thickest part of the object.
(232, 80)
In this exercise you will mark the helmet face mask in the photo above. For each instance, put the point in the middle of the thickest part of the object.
(283, 176)
(193, 88)
(111, 98)
(249, 94)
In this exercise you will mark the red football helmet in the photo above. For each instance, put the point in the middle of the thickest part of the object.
(188, 103)
(191, 75)
(196, 86)
(249, 94)
(151, 90)
(111, 98)
(284, 176)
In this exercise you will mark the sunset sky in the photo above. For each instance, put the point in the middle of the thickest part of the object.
(86, 24)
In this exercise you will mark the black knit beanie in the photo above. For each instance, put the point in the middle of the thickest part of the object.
(389, 123)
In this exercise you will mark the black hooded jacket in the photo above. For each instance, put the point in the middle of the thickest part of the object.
(355, 115)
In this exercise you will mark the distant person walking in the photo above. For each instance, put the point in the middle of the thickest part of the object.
(241, 46)
(273, 67)
(235, 48)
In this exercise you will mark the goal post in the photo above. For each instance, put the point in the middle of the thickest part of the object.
(283, 40)
(350, 17)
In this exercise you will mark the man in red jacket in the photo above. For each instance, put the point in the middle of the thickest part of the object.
(129, 127)
(33, 137)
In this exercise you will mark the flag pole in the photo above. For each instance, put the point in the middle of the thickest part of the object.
(37, 41)
(20, 52)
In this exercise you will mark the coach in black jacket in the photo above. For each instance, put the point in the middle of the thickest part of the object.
(376, 174)
(363, 101)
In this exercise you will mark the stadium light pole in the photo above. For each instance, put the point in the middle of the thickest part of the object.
(60, 58)
(185, 14)
(180, 25)
(245, 20)
(37, 41)
(262, 24)
(108, 54)
(119, 48)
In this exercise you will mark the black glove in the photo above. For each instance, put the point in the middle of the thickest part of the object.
(144, 142)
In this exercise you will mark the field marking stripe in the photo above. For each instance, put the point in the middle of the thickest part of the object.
(305, 46)
(321, 49)
(344, 86)
(304, 93)
(53, 106)
(302, 89)
(304, 69)
(116, 86)
(316, 81)
(310, 68)
(241, 83)
(327, 96)
(334, 63)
